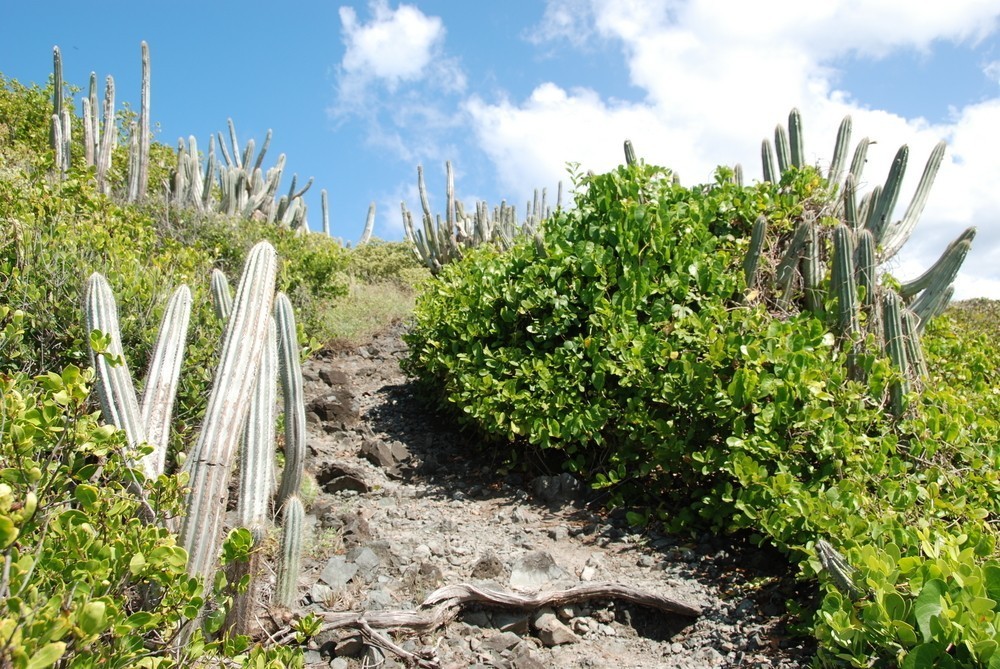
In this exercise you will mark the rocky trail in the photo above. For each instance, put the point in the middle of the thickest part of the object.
(539, 579)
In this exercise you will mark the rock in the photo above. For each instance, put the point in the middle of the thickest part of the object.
(365, 559)
(477, 618)
(321, 593)
(349, 647)
(559, 533)
(339, 663)
(516, 623)
(535, 569)
(338, 572)
(559, 489)
(550, 631)
(340, 409)
(487, 567)
(525, 659)
(312, 657)
(387, 455)
(501, 642)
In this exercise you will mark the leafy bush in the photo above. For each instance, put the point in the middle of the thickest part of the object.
(624, 345)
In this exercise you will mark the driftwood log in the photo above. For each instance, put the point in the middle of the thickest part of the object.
(444, 604)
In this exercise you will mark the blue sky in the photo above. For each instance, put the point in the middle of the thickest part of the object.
(359, 93)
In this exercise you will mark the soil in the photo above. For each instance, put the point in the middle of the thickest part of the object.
(408, 503)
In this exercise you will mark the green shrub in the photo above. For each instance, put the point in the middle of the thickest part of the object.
(624, 347)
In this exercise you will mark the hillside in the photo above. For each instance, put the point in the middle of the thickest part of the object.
(714, 380)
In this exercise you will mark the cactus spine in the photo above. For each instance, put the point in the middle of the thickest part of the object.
(292, 530)
(210, 461)
(290, 374)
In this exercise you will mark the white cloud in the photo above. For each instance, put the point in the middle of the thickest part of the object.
(718, 76)
(992, 71)
(397, 45)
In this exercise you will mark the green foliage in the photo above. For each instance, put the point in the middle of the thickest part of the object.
(381, 261)
(625, 349)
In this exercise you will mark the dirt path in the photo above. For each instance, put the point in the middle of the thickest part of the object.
(406, 505)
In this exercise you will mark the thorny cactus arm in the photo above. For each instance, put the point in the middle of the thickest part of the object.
(162, 380)
(210, 462)
(290, 373)
(900, 231)
(114, 382)
(292, 528)
(840, 149)
(257, 455)
(366, 234)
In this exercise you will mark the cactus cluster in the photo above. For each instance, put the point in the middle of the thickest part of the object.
(852, 238)
(259, 347)
(442, 240)
(244, 189)
(100, 138)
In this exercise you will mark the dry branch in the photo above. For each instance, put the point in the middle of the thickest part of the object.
(444, 604)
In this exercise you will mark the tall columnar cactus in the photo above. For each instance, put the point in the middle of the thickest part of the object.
(326, 212)
(210, 461)
(366, 234)
(290, 374)
(222, 295)
(253, 507)
(442, 240)
(630, 158)
(163, 376)
(752, 259)
(57, 93)
(895, 347)
(292, 531)
(139, 154)
(114, 385)
(840, 149)
(795, 141)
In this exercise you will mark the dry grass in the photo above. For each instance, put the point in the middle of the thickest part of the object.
(368, 308)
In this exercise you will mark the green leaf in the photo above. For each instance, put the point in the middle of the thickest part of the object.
(86, 495)
(924, 656)
(93, 617)
(928, 605)
(47, 655)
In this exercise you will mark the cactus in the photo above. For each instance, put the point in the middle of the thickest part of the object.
(222, 296)
(210, 461)
(785, 272)
(882, 207)
(326, 212)
(102, 157)
(842, 573)
(290, 374)
(752, 258)
(860, 158)
(796, 150)
(895, 348)
(767, 159)
(138, 174)
(911, 339)
(900, 231)
(257, 452)
(240, 616)
(781, 149)
(812, 272)
(292, 530)
(630, 158)
(850, 204)
(115, 389)
(57, 94)
(366, 234)
(162, 379)
(840, 148)
(944, 270)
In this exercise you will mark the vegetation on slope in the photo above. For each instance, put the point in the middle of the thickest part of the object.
(628, 348)
(86, 580)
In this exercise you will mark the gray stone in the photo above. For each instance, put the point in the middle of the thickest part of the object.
(338, 572)
(556, 489)
(550, 631)
(321, 593)
(349, 647)
(517, 623)
(366, 560)
(339, 663)
(559, 533)
(477, 618)
(535, 569)
(501, 642)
